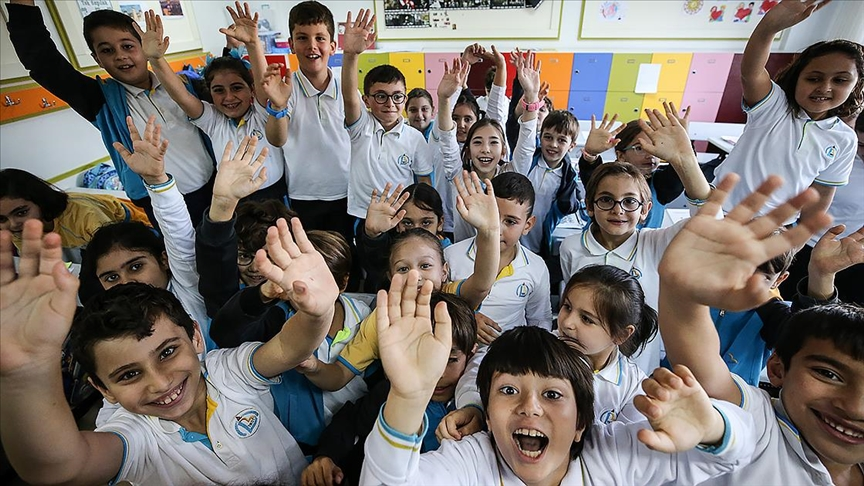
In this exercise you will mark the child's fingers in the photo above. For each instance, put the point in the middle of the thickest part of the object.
(300, 237)
(442, 331)
(348, 23)
(402, 200)
(424, 297)
(31, 242)
(409, 294)
(7, 260)
(286, 239)
(714, 204)
(275, 251)
(382, 318)
(767, 224)
(746, 209)
(656, 441)
(394, 297)
(124, 153)
(594, 122)
(656, 119)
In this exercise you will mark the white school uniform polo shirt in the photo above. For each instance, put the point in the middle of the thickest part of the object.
(615, 386)
(520, 295)
(318, 149)
(847, 207)
(639, 256)
(782, 456)
(330, 349)
(187, 159)
(223, 129)
(249, 444)
(379, 157)
(798, 149)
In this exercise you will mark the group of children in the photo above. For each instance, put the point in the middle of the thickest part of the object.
(220, 329)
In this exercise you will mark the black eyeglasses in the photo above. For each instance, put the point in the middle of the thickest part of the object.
(607, 203)
(381, 98)
(244, 258)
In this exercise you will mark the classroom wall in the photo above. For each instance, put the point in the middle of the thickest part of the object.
(55, 143)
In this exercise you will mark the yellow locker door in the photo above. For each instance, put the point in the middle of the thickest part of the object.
(367, 61)
(673, 74)
(625, 104)
(556, 69)
(412, 65)
(655, 101)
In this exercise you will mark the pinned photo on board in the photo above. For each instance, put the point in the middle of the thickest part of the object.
(171, 8)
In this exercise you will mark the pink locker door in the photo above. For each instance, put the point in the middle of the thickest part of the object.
(708, 72)
(434, 64)
(703, 106)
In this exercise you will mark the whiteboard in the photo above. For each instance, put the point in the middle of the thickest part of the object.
(468, 19)
(671, 19)
(68, 16)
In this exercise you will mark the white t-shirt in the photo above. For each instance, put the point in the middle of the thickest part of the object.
(800, 150)
(520, 294)
(318, 150)
(378, 157)
(250, 445)
(847, 207)
(223, 129)
(187, 159)
(782, 456)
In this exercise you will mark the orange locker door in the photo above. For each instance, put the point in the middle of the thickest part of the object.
(556, 69)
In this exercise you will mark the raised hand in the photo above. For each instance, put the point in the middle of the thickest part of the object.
(459, 423)
(147, 158)
(277, 88)
(494, 56)
(454, 78)
(37, 303)
(831, 255)
(245, 25)
(385, 210)
(473, 53)
(664, 137)
(487, 329)
(602, 137)
(476, 206)
(153, 44)
(528, 72)
(231, 42)
(359, 35)
(236, 177)
(414, 357)
(679, 411)
(790, 12)
(544, 91)
(672, 112)
(292, 263)
(713, 261)
(322, 472)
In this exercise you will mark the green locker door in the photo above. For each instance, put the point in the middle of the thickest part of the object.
(626, 104)
(625, 70)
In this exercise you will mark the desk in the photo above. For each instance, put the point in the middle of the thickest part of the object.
(722, 143)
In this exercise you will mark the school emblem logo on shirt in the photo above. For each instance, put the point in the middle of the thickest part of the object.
(831, 151)
(636, 273)
(522, 290)
(404, 160)
(246, 422)
(257, 134)
(608, 416)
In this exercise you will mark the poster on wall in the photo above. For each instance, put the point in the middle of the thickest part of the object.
(468, 19)
(86, 7)
(671, 19)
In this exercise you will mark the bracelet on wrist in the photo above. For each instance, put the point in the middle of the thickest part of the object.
(277, 114)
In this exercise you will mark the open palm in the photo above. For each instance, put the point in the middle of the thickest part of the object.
(245, 25)
(236, 177)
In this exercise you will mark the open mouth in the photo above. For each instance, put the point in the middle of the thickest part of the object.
(231, 106)
(820, 99)
(125, 67)
(485, 160)
(530, 442)
(173, 396)
(313, 57)
(845, 433)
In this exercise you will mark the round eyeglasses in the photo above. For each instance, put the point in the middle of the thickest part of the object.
(244, 258)
(381, 98)
(607, 203)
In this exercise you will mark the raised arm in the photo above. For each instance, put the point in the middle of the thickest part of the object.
(385, 211)
(831, 256)
(528, 72)
(245, 29)
(358, 36)
(754, 77)
(155, 44)
(37, 305)
(497, 107)
(712, 262)
(302, 272)
(667, 138)
(479, 208)
(278, 89)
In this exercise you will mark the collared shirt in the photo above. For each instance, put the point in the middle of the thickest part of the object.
(222, 129)
(381, 156)
(249, 444)
(615, 386)
(187, 159)
(318, 149)
(520, 294)
(782, 456)
(798, 149)
(329, 350)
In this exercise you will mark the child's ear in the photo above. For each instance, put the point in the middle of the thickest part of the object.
(646, 208)
(780, 279)
(366, 102)
(104, 391)
(572, 145)
(446, 275)
(96, 58)
(529, 224)
(626, 334)
(579, 433)
(198, 339)
(163, 260)
(776, 370)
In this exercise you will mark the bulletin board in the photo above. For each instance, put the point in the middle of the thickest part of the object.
(468, 19)
(178, 20)
(671, 19)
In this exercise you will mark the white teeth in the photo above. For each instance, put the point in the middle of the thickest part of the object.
(531, 454)
(838, 428)
(172, 397)
(529, 432)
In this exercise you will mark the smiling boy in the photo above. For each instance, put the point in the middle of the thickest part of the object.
(180, 420)
(131, 90)
(384, 148)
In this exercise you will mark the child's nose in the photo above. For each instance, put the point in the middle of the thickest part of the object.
(529, 405)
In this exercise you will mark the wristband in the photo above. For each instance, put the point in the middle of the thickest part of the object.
(531, 106)
(277, 114)
(589, 156)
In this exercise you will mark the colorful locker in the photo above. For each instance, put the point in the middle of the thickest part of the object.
(556, 69)
(655, 100)
(590, 71)
(625, 70)
(674, 71)
(704, 91)
(367, 61)
(583, 104)
(625, 103)
(411, 65)
(434, 66)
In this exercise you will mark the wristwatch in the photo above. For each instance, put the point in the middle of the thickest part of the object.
(277, 114)
(531, 106)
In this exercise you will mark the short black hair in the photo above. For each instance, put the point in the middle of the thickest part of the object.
(420, 93)
(384, 73)
(231, 64)
(123, 311)
(467, 98)
(533, 350)
(515, 187)
(463, 321)
(129, 235)
(426, 198)
(627, 136)
(20, 184)
(253, 219)
(842, 324)
(779, 263)
(110, 19)
(563, 122)
(311, 12)
(859, 123)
